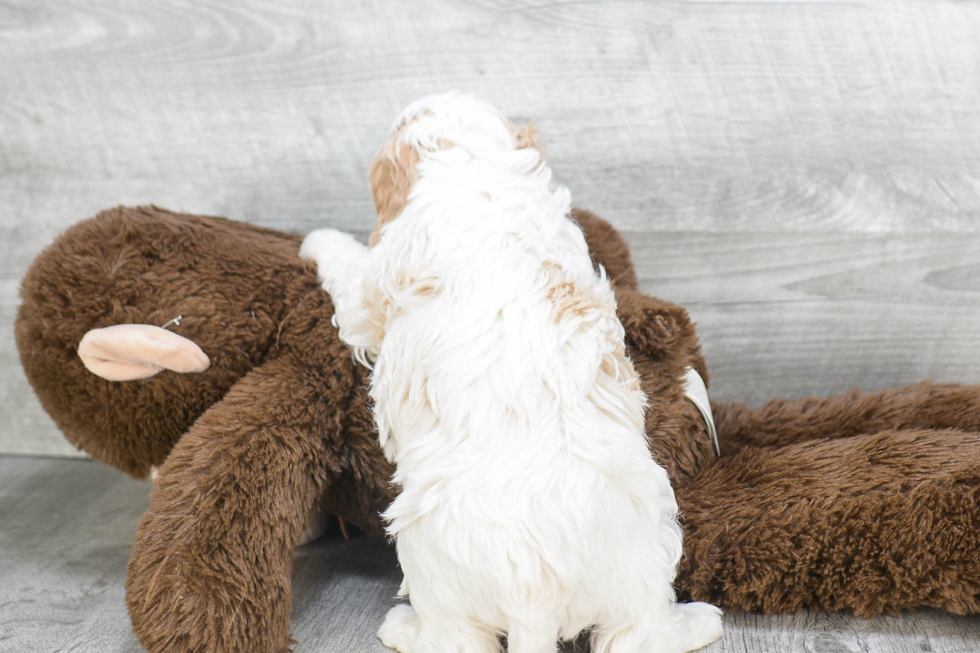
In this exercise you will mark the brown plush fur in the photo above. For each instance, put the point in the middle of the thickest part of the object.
(860, 502)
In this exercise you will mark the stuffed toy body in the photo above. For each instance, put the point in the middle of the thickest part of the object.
(865, 502)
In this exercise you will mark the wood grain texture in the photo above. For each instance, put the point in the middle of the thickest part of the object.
(67, 532)
(790, 315)
(722, 119)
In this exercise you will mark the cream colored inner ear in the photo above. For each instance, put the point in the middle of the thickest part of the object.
(125, 352)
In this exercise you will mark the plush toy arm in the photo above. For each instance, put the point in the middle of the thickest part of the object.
(210, 569)
(873, 524)
(607, 247)
(781, 422)
(342, 263)
(660, 329)
(656, 326)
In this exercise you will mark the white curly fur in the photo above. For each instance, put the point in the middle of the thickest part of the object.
(530, 504)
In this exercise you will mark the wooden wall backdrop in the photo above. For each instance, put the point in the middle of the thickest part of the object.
(803, 176)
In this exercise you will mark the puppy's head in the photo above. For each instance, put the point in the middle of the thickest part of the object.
(432, 124)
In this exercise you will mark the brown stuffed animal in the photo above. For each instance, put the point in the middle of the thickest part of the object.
(867, 502)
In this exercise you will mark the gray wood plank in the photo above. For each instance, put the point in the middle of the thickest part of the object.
(800, 314)
(715, 117)
(65, 540)
(67, 532)
(27, 429)
(270, 112)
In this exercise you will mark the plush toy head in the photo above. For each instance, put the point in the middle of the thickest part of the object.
(146, 267)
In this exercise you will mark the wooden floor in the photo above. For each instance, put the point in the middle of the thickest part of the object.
(66, 528)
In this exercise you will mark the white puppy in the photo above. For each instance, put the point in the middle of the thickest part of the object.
(530, 504)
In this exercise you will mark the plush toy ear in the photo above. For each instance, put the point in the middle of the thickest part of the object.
(125, 352)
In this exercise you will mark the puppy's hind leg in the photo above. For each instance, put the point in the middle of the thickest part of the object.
(400, 629)
(407, 632)
(701, 624)
(676, 628)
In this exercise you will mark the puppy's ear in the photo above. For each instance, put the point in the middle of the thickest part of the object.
(527, 136)
(392, 174)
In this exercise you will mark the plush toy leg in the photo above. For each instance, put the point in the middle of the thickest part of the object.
(317, 525)
(783, 421)
(210, 570)
(873, 524)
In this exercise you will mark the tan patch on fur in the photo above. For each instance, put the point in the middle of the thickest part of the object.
(426, 288)
(616, 375)
(392, 175)
(393, 172)
(569, 299)
(417, 286)
(379, 306)
(527, 136)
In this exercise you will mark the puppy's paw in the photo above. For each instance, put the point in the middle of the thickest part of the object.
(400, 629)
(702, 624)
(327, 241)
(333, 252)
